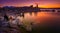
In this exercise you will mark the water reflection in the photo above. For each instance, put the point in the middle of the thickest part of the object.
(36, 21)
(38, 16)
(47, 21)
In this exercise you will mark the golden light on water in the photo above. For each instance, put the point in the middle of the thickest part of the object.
(39, 17)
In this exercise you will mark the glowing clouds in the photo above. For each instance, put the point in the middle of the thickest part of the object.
(41, 3)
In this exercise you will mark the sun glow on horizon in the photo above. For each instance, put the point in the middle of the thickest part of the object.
(34, 5)
(50, 5)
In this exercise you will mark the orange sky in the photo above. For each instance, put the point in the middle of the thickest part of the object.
(41, 3)
(50, 6)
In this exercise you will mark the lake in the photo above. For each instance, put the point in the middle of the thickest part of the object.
(43, 21)
(39, 22)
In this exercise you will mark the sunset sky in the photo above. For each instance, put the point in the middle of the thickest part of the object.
(41, 3)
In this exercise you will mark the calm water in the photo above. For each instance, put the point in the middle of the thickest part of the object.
(40, 21)
(43, 21)
(42, 17)
(36, 18)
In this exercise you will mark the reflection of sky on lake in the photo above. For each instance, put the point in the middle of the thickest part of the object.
(40, 17)
(43, 18)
